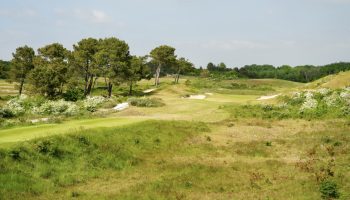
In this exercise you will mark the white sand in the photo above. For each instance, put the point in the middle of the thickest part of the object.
(121, 106)
(268, 97)
(149, 90)
(39, 120)
(197, 97)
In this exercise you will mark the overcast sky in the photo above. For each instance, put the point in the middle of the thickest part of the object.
(236, 32)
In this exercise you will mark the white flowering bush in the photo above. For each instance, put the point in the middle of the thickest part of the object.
(321, 102)
(91, 103)
(345, 95)
(324, 91)
(332, 100)
(16, 105)
(57, 108)
(309, 103)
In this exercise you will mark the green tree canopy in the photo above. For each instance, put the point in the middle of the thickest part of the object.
(51, 70)
(83, 61)
(163, 56)
(112, 58)
(21, 65)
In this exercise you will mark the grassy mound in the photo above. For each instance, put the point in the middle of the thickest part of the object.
(40, 166)
(335, 81)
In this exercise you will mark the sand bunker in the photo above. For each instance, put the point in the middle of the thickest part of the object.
(39, 120)
(149, 90)
(121, 106)
(196, 97)
(268, 97)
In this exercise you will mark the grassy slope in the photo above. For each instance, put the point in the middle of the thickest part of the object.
(339, 80)
(7, 88)
(240, 158)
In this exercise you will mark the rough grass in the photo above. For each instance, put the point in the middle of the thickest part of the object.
(43, 166)
(242, 157)
(340, 80)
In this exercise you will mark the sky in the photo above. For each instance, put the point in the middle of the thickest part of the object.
(236, 32)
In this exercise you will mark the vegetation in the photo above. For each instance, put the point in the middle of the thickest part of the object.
(242, 138)
(40, 166)
(304, 74)
(146, 102)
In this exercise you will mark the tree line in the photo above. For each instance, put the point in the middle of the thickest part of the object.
(54, 70)
(304, 73)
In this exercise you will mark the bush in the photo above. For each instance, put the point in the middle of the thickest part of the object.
(73, 94)
(91, 103)
(146, 102)
(16, 105)
(6, 113)
(57, 107)
(329, 190)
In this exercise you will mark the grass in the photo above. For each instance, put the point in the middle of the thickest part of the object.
(41, 166)
(340, 80)
(35, 131)
(7, 88)
(216, 148)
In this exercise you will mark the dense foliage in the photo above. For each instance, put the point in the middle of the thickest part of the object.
(306, 73)
(4, 69)
(55, 72)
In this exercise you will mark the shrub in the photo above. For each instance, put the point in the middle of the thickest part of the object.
(6, 113)
(146, 102)
(329, 190)
(91, 103)
(73, 94)
(15, 105)
(57, 107)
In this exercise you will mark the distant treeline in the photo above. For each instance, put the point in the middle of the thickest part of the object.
(305, 73)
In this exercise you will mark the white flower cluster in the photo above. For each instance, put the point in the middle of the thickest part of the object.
(15, 105)
(323, 91)
(57, 107)
(309, 103)
(308, 95)
(91, 103)
(332, 99)
(297, 95)
(345, 95)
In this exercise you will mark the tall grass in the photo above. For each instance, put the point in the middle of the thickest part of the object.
(43, 166)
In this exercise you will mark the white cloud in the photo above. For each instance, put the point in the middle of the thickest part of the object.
(20, 13)
(94, 16)
(91, 16)
(99, 16)
(234, 45)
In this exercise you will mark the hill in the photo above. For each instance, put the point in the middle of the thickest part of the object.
(334, 81)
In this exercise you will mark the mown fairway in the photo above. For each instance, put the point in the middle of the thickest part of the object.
(187, 149)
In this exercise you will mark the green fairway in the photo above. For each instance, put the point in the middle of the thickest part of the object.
(44, 130)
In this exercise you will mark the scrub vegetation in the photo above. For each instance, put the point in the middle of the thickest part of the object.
(261, 138)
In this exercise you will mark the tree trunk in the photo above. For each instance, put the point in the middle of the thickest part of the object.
(93, 85)
(21, 86)
(157, 75)
(88, 92)
(110, 86)
(86, 84)
(130, 88)
(177, 76)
